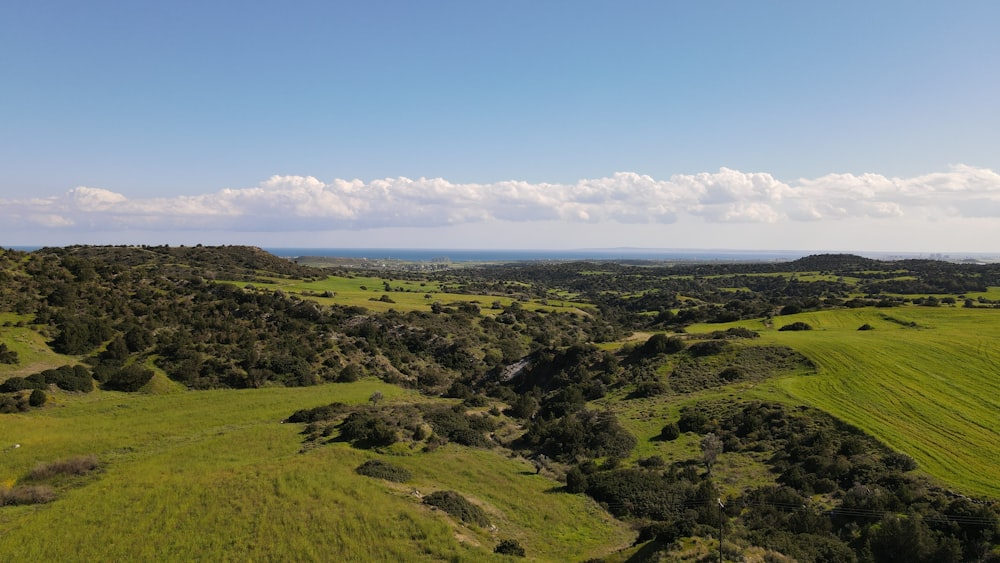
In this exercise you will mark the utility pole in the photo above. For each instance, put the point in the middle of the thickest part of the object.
(721, 506)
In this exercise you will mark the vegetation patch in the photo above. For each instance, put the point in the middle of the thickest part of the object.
(69, 467)
(510, 547)
(835, 491)
(383, 470)
(27, 494)
(458, 507)
(797, 325)
(743, 363)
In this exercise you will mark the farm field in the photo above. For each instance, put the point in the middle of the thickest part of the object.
(215, 475)
(931, 389)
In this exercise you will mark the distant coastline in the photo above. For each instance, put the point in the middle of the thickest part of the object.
(515, 255)
(611, 254)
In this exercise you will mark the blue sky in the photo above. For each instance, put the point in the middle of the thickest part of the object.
(770, 125)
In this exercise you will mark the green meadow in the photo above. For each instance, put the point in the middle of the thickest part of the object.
(216, 475)
(31, 347)
(925, 381)
(402, 295)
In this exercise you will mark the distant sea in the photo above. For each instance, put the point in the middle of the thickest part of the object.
(467, 255)
(618, 254)
(514, 255)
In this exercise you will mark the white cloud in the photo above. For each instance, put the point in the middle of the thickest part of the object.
(305, 203)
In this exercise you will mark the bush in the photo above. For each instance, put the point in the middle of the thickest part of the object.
(460, 428)
(10, 404)
(74, 466)
(128, 378)
(866, 326)
(71, 378)
(367, 430)
(652, 462)
(37, 398)
(12, 385)
(798, 325)
(662, 344)
(576, 481)
(7, 356)
(350, 373)
(457, 506)
(707, 347)
(509, 547)
(693, 420)
(732, 373)
(27, 495)
(325, 412)
(382, 470)
(670, 432)
(900, 461)
(790, 309)
(735, 332)
(650, 388)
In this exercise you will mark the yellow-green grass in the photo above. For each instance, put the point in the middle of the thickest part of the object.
(991, 293)
(406, 295)
(216, 475)
(931, 391)
(33, 352)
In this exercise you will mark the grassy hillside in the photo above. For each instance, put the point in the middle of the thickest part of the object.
(32, 349)
(216, 475)
(924, 381)
(401, 295)
(627, 420)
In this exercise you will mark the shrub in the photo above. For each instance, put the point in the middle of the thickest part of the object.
(128, 378)
(457, 506)
(40, 494)
(576, 480)
(37, 398)
(10, 404)
(652, 462)
(325, 412)
(71, 378)
(735, 332)
(693, 420)
(367, 430)
(12, 385)
(509, 547)
(78, 465)
(635, 492)
(7, 356)
(662, 344)
(790, 309)
(707, 348)
(350, 373)
(650, 388)
(866, 326)
(798, 325)
(460, 428)
(900, 461)
(670, 432)
(382, 470)
(731, 373)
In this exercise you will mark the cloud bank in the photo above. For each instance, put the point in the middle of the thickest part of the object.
(304, 203)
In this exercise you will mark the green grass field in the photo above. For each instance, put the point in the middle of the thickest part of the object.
(215, 475)
(33, 352)
(405, 295)
(931, 390)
